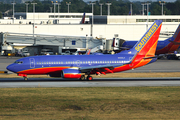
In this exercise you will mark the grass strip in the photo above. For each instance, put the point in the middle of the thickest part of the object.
(90, 103)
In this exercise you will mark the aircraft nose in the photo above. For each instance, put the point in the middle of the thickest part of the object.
(10, 68)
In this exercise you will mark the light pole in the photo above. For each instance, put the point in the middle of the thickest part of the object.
(34, 20)
(162, 3)
(13, 3)
(92, 18)
(148, 7)
(27, 7)
(101, 8)
(131, 8)
(33, 11)
(54, 7)
(58, 9)
(108, 4)
(50, 9)
(147, 13)
(68, 3)
(142, 8)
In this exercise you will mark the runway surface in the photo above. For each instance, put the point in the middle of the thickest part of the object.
(110, 82)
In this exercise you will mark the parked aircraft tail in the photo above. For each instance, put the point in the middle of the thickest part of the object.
(172, 43)
(113, 42)
(83, 19)
(176, 37)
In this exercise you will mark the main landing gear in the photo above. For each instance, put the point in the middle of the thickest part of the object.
(88, 77)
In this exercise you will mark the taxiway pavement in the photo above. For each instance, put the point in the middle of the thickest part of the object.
(99, 82)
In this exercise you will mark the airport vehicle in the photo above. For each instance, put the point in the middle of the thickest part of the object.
(25, 54)
(79, 53)
(67, 52)
(167, 46)
(46, 52)
(79, 66)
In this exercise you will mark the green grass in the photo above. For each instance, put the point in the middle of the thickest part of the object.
(90, 103)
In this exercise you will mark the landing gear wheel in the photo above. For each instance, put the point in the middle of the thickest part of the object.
(82, 77)
(25, 78)
(89, 78)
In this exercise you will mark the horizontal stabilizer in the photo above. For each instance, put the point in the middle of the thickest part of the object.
(149, 57)
(176, 43)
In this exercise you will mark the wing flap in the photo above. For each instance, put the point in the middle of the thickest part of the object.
(89, 68)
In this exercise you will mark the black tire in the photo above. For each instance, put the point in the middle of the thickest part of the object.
(89, 78)
(25, 78)
(82, 77)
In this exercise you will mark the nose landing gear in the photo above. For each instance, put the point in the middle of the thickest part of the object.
(25, 78)
(23, 75)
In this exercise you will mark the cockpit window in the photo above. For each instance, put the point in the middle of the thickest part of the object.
(18, 62)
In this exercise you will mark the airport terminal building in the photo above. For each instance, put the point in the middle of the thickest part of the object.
(59, 31)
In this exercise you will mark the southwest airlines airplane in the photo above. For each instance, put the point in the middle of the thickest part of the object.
(167, 46)
(79, 66)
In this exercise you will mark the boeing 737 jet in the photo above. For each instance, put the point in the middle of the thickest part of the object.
(80, 66)
(167, 46)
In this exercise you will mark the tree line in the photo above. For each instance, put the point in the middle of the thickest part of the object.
(117, 7)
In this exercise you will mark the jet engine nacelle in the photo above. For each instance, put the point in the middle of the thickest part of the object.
(71, 73)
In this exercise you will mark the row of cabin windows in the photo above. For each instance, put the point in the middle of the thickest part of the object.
(67, 16)
(80, 62)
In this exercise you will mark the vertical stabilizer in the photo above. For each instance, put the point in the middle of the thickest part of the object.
(83, 19)
(176, 36)
(148, 43)
(171, 44)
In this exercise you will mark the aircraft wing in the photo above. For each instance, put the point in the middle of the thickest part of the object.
(101, 68)
(124, 48)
